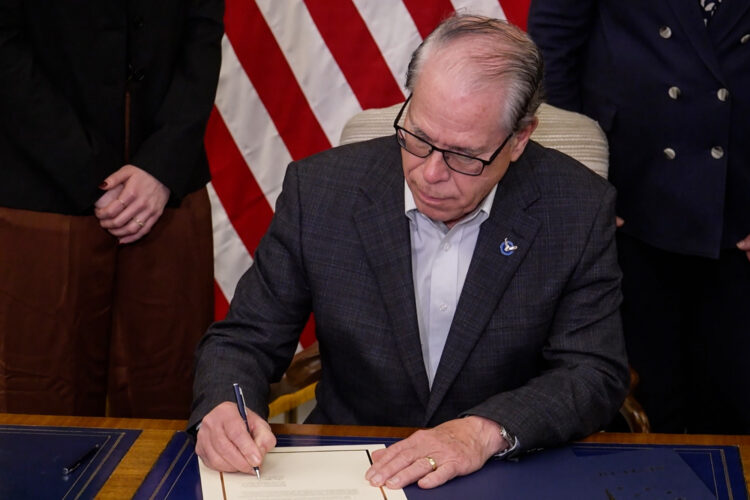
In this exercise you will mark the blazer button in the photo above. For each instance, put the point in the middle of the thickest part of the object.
(665, 32)
(717, 152)
(670, 153)
(722, 94)
(745, 38)
(674, 92)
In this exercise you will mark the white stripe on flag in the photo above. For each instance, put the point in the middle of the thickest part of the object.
(231, 258)
(394, 32)
(317, 73)
(250, 125)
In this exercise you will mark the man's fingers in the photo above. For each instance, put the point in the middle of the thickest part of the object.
(209, 455)
(418, 470)
(428, 472)
(262, 434)
(433, 456)
(224, 443)
(240, 449)
(395, 460)
(441, 475)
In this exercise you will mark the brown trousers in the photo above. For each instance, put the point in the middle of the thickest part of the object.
(86, 323)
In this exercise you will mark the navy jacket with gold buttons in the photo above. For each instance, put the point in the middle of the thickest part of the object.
(673, 96)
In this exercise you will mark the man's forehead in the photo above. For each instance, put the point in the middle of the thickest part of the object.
(455, 116)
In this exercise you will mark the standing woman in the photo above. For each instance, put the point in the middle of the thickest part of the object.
(106, 272)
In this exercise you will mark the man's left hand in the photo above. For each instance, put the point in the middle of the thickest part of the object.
(744, 245)
(433, 456)
(133, 203)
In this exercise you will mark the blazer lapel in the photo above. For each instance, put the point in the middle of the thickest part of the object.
(489, 273)
(729, 13)
(384, 231)
(689, 16)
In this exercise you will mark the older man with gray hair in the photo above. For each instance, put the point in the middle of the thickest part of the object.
(463, 279)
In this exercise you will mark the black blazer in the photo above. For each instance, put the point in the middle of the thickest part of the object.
(535, 343)
(64, 70)
(673, 97)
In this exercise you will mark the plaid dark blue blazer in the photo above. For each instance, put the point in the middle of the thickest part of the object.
(536, 341)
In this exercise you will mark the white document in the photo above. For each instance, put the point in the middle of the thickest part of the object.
(309, 472)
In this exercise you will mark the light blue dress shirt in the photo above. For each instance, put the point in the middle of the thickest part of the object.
(440, 258)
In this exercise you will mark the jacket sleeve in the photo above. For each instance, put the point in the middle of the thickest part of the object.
(180, 123)
(255, 343)
(39, 120)
(585, 376)
(561, 29)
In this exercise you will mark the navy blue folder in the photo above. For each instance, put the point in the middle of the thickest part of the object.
(32, 459)
(548, 474)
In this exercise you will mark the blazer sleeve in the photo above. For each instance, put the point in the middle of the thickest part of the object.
(180, 123)
(40, 121)
(585, 376)
(255, 343)
(561, 29)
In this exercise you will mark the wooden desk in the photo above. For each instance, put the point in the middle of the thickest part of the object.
(156, 434)
(129, 474)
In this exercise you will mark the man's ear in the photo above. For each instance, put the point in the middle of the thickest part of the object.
(521, 138)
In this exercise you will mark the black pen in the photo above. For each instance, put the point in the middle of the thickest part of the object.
(86, 456)
(240, 398)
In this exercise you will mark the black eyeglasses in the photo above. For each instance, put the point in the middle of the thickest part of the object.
(458, 162)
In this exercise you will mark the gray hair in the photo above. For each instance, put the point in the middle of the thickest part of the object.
(508, 57)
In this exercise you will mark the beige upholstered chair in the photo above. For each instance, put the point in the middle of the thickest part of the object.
(572, 133)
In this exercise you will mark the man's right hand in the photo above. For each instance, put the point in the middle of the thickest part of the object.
(224, 443)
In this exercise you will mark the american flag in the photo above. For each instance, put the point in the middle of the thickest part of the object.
(292, 73)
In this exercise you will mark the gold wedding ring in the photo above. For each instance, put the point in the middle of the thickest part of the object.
(139, 222)
(432, 462)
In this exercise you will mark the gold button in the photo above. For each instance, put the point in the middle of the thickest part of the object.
(722, 94)
(665, 32)
(670, 153)
(717, 152)
(674, 92)
(745, 38)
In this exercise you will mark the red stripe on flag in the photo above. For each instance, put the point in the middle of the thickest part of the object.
(427, 14)
(240, 195)
(352, 46)
(273, 79)
(516, 11)
(221, 305)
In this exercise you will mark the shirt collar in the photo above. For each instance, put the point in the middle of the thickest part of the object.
(410, 207)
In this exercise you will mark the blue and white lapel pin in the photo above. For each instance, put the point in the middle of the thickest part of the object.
(507, 247)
